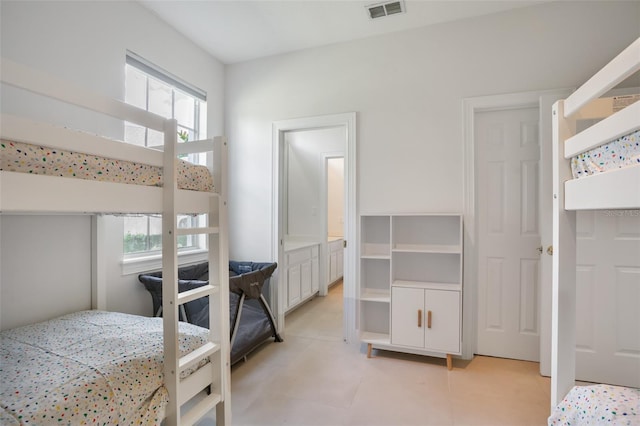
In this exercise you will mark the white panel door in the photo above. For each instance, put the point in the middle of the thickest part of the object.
(608, 297)
(507, 164)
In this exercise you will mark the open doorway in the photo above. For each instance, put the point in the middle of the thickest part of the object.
(302, 150)
(334, 206)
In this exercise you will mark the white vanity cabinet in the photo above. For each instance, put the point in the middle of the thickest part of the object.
(410, 289)
(336, 260)
(302, 273)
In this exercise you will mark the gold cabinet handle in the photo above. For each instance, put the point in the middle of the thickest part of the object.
(428, 319)
(419, 318)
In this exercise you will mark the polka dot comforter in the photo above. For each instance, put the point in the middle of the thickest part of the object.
(90, 367)
(598, 405)
(622, 152)
(27, 158)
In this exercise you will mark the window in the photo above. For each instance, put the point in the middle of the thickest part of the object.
(153, 89)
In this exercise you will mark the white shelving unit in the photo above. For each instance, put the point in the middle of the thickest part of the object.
(410, 290)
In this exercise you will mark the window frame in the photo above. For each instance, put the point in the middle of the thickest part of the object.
(145, 260)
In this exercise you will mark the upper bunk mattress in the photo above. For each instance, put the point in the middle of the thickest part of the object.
(88, 367)
(622, 152)
(27, 158)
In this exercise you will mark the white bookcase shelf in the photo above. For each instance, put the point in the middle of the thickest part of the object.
(376, 256)
(410, 289)
(372, 295)
(423, 248)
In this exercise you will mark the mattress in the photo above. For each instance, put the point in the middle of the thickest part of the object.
(27, 158)
(87, 367)
(598, 405)
(622, 152)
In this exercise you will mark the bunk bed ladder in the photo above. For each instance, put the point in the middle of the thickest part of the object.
(216, 349)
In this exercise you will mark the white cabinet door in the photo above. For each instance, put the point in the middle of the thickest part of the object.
(340, 263)
(305, 279)
(302, 275)
(443, 328)
(293, 285)
(333, 266)
(407, 317)
(315, 275)
(426, 319)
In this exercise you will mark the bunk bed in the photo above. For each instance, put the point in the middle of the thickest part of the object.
(596, 189)
(189, 365)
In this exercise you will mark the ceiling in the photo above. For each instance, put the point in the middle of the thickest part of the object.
(241, 30)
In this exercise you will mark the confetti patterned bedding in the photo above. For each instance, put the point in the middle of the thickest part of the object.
(622, 152)
(598, 405)
(90, 367)
(27, 158)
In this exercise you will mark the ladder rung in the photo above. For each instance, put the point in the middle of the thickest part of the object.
(193, 357)
(195, 231)
(196, 293)
(200, 409)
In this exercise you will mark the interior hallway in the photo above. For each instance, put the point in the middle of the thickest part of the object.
(314, 378)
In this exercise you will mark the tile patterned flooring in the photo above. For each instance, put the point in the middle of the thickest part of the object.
(313, 378)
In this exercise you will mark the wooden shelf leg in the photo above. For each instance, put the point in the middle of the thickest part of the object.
(369, 347)
(449, 362)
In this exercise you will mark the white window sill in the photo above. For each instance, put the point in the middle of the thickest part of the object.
(138, 265)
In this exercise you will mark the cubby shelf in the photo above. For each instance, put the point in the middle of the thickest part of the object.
(376, 256)
(423, 248)
(383, 296)
(376, 338)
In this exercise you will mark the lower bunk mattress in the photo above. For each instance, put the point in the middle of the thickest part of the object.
(90, 367)
(27, 158)
(619, 153)
(598, 405)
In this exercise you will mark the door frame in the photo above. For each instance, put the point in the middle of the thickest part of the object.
(279, 129)
(471, 106)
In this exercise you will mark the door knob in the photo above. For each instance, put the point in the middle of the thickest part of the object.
(550, 250)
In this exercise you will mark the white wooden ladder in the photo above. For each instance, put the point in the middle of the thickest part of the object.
(213, 376)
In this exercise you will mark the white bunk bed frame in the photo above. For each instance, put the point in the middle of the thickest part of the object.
(28, 193)
(616, 189)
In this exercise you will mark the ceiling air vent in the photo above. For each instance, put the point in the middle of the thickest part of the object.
(380, 10)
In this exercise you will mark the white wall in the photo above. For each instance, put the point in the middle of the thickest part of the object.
(407, 89)
(86, 43)
(305, 185)
(44, 267)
